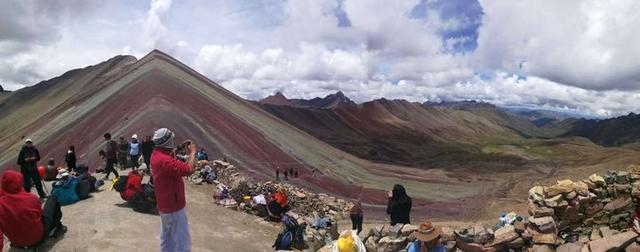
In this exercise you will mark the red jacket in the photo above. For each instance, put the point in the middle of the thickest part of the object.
(20, 212)
(281, 198)
(134, 185)
(167, 180)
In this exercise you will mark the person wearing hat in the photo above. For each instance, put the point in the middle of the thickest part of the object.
(28, 160)
(134, 151)
(169, 189)
(22, 220)
(427, 239)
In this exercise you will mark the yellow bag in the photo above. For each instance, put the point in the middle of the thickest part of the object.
(346, 243)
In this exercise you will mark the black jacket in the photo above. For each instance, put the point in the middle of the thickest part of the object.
(26, 152)
(146, 148)
(399, 206)
(70, 159)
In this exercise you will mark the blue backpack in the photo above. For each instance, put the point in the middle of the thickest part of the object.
(66, 191)
(291, 236)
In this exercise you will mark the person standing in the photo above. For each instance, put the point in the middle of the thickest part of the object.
(399, 205)
(357, 216)
(277, 174)
(147, 148)
(169, 188)
(134, 151)
(123, 149)
(110, 156)
(70, 158)
(28, 160)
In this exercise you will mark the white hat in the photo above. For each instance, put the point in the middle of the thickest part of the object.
(135, 136)
(28, 140)
(62, 173)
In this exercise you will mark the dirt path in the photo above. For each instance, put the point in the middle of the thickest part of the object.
(104, 223)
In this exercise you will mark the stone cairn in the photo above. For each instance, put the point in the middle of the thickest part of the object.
(591, 215)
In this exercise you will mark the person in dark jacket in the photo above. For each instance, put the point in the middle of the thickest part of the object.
(28, 161)
(70, 158)
(399, 205)
(357, 216)
(147, 149)
(123, 153)
(110, 156)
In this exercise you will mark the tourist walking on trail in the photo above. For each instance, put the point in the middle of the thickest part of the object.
(134, 151)
(70, 158)
(399, 205)
(110, 149)
(28, 160)
(123, 152)
(169, 188)
(278, 174)
(147, 148)
(357, 216)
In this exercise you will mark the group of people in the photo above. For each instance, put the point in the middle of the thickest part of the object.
(287, 173)
(428, 236)
(129, 152)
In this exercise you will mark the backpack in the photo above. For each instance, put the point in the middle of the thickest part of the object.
(120, 184)
(145, 200)
(82, 169)
(65, 191)
(83, 188)
(284, 240)
(292, 236)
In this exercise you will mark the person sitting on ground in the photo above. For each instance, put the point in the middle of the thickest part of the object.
(70, 158)
(21, 218)
(134, 185)
(357, 215)
(399, 205)
(278, 204)
(428, 238)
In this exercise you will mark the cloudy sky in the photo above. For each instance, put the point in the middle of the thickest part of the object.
(580, 56)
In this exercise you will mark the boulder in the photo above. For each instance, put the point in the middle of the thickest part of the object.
(515, 244)
(617, 204)
(504, 234)
(606, 232)
(541, 248)
(633, 247)
(387, 244)
(562, 187)
(536, 210)
(408, 229)
(595, 235)
(590, 184)
(537, 194)
(570, 247)
(594, 208)
(614, 243)
(622, 178)
(376, 231)
(370, 244)
(597, 180)
(395, 231)
(539, 237)
(448, 234)
(554, 201)
(571, 195)
(544, 224)
(570, 213)
(582, 188)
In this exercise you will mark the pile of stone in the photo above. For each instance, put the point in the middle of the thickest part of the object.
(304, 206)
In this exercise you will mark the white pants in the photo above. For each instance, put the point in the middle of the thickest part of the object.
(174, 234)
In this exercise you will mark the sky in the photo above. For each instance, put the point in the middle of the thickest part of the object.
(574, 56)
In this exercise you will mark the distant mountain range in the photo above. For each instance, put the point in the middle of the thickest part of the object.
(408, 133)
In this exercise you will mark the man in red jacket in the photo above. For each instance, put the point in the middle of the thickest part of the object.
(134, 185)
(21, 218)
(169, 188)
